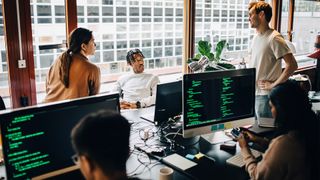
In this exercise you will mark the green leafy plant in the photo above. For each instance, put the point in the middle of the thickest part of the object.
(204, 48)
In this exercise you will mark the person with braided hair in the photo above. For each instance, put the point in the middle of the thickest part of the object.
(72, 75)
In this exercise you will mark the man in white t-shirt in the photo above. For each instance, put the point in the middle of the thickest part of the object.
(267, 49)
(137, 89)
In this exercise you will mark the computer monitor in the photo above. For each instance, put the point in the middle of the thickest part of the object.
(168, 101)
(217, 100)
(36, 140)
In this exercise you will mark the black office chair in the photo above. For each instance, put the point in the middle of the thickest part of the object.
(2, 105)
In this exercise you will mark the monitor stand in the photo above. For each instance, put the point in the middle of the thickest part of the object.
(216, 137)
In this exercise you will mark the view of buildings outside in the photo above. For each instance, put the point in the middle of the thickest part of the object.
(224, 20)
(154, 26)
(305, 25)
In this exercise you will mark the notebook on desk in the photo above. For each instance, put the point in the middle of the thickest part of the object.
(148, 116)
(266, 122)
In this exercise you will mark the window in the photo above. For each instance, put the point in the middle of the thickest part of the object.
(47, 17)
(155, 27)
(306, 25)
(4, 78)
(134, 11)
(221, 20)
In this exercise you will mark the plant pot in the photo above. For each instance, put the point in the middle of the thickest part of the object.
(227, 65)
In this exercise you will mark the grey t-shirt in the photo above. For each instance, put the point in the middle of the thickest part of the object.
(266, 52)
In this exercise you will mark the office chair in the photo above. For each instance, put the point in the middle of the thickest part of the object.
(2, 105)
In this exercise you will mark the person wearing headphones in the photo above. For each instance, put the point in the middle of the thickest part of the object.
(137, 89)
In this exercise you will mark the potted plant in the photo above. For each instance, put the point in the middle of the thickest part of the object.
(214, 59)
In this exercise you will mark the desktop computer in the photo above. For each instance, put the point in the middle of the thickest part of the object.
(168, 103)
(36, 140)
(218, 100)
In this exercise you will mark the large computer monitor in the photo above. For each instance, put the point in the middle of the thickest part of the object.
(217, 100)
(168, 102)
(36, 140)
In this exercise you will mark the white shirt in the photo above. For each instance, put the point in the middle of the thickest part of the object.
(266, 52)
(138, 87)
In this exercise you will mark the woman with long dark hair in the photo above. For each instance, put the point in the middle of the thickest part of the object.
(294, 151)
(72, 75)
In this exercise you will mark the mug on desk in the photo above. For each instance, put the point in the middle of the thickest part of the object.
(166, 173)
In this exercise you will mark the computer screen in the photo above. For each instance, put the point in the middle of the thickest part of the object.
(36, 140)
(168, 101)
(217, 100)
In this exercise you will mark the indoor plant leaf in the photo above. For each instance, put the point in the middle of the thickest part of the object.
(204, 48)
(221, 44)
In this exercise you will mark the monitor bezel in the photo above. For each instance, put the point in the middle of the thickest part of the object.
(7, 114)
(158, 118)
(225, 124)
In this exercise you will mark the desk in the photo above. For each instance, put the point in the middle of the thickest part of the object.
(141, 166)
(218, 170)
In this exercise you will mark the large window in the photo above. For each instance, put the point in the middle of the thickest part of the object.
(224, 20)
(284, 18)
(155, 27)
(306, 25)
(48, 27)
(4, 79)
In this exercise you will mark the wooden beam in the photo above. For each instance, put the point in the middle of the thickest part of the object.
(276, 15)
(22, 80)
(290, 19)
(188, 32)
(71, 16)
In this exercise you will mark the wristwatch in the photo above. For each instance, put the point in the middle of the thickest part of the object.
(138, 104)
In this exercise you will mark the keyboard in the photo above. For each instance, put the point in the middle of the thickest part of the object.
(237, 160)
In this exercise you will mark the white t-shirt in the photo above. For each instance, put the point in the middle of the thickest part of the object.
(138, 87)
(266, 52)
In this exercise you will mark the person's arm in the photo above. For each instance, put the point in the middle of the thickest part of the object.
(291, 66)
(150, 100)
(261, 141)
(94, 82)
(272, 165)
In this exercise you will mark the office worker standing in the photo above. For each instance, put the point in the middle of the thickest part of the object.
(294, 152)
(138, 89)
(267, 49)
(101, 143)
(72, 75)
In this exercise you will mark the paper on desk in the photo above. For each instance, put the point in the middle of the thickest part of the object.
(179, 161)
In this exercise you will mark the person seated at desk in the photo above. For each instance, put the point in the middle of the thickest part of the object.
(101, 143)
(72, 75)
(291, 153)
(138, 89)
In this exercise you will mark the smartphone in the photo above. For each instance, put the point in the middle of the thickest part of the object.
(235, 132)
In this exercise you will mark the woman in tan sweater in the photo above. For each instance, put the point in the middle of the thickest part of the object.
(294, 152)
(72, 75)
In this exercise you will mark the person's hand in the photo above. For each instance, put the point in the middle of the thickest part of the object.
(249, 136)
(127, 105)
(265, 85)
(242, 141)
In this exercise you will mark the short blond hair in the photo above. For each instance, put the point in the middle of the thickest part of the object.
(262, 6)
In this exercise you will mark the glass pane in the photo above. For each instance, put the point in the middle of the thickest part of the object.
(284, 18)
(4, 79)
(306, 25)
(218, 20)
(151, 26)
(48, 17)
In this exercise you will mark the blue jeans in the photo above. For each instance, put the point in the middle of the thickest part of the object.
(262, 107)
